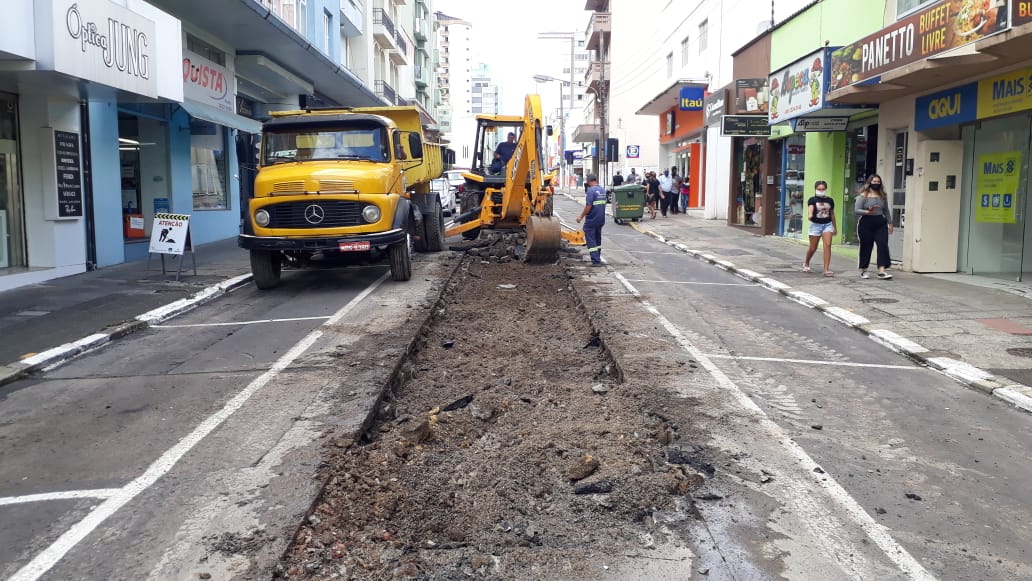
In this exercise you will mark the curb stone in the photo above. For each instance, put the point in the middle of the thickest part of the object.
(1016, 394)
(14, 371)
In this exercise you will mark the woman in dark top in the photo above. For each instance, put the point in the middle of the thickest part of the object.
(651, 184)
(873, 226)
(822, 225)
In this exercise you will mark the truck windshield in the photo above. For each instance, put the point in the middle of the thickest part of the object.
(354, 143)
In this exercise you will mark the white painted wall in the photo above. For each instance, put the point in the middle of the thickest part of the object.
(51, 243)
(17, 38)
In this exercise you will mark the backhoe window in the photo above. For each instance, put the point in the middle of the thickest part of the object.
(353, 143)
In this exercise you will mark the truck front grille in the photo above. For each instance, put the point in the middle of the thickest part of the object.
(315, 214)
(289, 187)
(336, 186)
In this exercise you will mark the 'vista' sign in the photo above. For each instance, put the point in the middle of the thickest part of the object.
(207, 82)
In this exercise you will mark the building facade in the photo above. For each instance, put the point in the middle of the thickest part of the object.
(114, 110)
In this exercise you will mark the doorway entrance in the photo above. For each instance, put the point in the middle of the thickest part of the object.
(995, 229)
(12, 213)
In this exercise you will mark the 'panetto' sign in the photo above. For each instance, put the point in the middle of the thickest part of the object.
(103, 42)
(208, 83)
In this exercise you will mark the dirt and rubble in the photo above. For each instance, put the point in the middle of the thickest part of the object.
(514, 449)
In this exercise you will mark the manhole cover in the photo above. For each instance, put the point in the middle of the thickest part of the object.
(883, 301)
(1020, 351)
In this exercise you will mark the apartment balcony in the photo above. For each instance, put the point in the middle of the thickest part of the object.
(384, 32)
(387, 92)
(593, 77)
(403, 54)
(422, 76)
(599, 27)
(352, 22)
(422, 30)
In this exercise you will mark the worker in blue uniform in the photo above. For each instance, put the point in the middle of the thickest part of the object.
(594, 216)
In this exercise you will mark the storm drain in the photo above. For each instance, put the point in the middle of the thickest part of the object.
(1020, 351)
(879, 300)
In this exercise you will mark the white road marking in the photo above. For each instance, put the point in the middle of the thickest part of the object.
(691, 282)
(233, 324)
(44, 561)
(810, 511)
(647, 252)
(815, 362)
(62, 495)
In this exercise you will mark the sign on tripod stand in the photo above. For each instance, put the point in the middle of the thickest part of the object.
(170, 234)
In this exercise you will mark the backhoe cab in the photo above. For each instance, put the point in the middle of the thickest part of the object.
(519, 196)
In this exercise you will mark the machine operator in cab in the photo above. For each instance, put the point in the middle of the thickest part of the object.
(594, 216)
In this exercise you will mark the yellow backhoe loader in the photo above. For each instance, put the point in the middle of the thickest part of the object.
(514, 194)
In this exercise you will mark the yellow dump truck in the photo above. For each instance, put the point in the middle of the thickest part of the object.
(343, 186)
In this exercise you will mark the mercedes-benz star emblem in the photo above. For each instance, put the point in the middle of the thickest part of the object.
(314, 214)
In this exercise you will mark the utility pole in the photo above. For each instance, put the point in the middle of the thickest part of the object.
(602, 126)
(572, 37)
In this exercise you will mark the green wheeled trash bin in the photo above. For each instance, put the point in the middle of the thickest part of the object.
(628, 203)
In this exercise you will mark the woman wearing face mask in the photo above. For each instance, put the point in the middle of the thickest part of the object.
(822, 225)
(873, 226)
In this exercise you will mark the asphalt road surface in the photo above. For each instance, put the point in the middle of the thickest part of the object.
(942, 469)
(110, 462)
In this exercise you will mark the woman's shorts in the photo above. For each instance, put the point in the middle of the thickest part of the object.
(818, 229)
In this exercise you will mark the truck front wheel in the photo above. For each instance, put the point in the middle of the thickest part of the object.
(401, 260)
(265, 268)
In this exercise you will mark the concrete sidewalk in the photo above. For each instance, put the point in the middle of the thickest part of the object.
(45, 322)
(977, 330)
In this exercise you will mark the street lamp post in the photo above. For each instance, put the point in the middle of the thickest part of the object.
(572, 37)
(562, 126)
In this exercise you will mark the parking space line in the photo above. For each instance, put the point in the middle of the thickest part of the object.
(50, 556)
(800, 486)
(62, 495)
(692, 282)
(233, 324)
(815, 362)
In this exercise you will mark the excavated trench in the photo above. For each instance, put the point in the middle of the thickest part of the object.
(510, 449)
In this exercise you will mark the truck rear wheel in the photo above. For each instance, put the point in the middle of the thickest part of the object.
(265, 269)
(401, 260)
(433, 226)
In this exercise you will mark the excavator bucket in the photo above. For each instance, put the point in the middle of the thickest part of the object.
(543, 237)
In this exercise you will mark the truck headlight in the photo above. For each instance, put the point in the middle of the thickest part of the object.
(262, 218)
(371, 214)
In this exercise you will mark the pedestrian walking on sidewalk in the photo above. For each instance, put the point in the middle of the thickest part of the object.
(651, 193)
(873, 226)
(686, 194)
(822, 225)
(618, 179)
(675, 191)
(666, 185)
(594, 216)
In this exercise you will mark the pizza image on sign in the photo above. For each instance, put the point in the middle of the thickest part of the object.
(169, 233)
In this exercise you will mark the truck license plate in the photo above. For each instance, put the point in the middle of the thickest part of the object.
(354, 246)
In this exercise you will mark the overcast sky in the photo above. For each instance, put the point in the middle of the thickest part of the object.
(505, 38)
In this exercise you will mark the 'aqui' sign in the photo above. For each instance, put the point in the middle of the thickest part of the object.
(169, 233)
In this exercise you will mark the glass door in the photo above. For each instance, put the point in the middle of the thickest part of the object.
(995, 199)
(898, 194)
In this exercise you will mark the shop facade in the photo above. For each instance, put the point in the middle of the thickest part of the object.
(682, 141)
(813, 139)
(955, 143)
(753, 201)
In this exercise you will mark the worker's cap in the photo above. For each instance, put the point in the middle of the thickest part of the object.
(591, 178)
(512, 134)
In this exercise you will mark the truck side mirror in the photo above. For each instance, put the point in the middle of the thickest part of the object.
(548, 130)
(415, 143)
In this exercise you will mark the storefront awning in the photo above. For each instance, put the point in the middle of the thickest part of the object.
(669, 97)
(985, 56)
(220, 117)
(586, 133)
